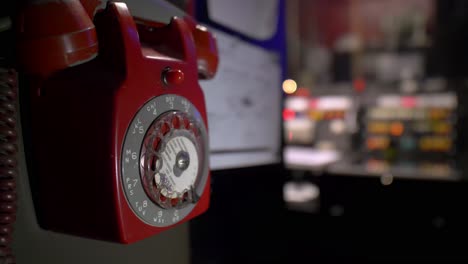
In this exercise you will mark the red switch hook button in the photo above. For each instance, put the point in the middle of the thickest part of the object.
(172, 77)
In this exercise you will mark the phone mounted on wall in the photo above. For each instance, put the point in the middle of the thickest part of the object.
(117, 119)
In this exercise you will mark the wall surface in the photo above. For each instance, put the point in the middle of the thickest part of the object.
(35, 245)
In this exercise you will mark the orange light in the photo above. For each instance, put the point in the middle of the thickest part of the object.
(378, 128)
(396, 129)
(289, 86)
(376, 143)
(315, 115)
(341, 114)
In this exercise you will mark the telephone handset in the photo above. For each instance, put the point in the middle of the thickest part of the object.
(118, 122)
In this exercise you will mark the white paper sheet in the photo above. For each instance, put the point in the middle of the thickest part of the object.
(244, 105)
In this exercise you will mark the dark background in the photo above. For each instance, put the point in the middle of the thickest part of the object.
(409, 220)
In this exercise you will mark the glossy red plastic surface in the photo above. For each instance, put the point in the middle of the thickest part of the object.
(173, 77)
(207, 50)
(80, 117)
(54, 35)
(205, 45)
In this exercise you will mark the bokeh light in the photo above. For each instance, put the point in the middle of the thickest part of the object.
(289, 86)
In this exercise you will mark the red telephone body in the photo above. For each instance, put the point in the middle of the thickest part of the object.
(118, 122)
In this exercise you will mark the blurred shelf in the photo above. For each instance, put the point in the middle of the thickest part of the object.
(395, 171)
(334, 162)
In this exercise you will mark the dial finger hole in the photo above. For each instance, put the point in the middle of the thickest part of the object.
(157, 179)
(165, 128)
(175, 122)
(159, 163)
(148, 146)
(186, 123)
(153, 162)
(155, 143)
(193, 195)
(154, 188)
(193, 129)
(181, 121)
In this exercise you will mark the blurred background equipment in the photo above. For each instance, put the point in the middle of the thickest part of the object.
(378, 127)
(384, 104)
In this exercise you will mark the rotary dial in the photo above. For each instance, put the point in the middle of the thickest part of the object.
(170, 160)
(164, 160)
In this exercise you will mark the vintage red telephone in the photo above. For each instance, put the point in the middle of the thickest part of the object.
(119, 133)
